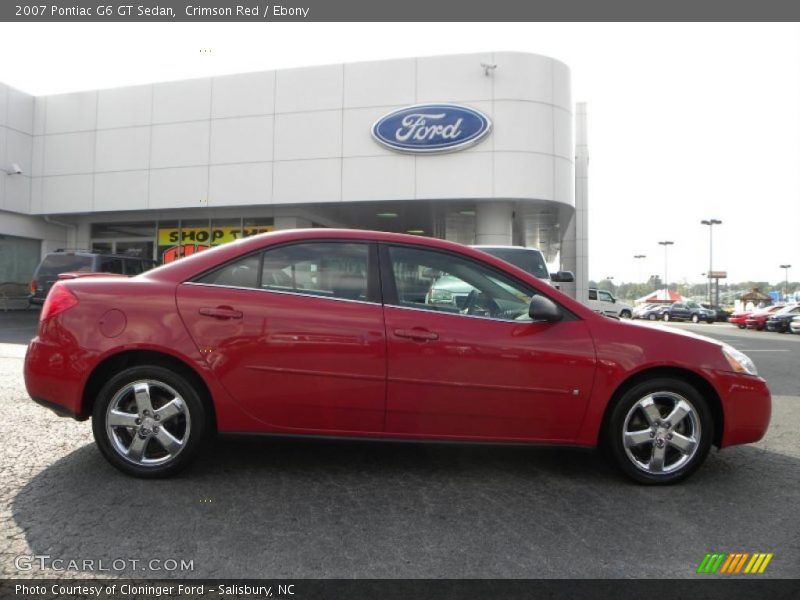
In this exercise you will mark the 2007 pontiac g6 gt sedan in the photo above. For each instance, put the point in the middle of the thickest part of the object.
(346, 333)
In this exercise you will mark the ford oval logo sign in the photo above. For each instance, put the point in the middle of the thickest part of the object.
(429, 128)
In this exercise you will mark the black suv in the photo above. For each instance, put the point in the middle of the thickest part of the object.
(58, 262)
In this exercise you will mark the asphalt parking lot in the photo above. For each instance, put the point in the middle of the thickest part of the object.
(263, 508)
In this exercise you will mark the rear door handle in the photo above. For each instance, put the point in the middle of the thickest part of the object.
(221, 312)
(420, 335)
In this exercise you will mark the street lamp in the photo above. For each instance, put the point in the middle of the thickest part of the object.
(638, 257)
(785, 279)
(710, 223)
(666, 243)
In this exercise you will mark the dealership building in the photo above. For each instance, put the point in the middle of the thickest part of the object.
(479, 149)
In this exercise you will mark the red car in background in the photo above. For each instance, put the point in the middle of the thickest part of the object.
(336, 333)
(758, 319)
(739, 318)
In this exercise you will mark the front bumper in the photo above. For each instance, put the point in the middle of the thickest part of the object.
(746, 406)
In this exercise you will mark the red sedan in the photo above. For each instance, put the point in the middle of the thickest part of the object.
(337, 333)
(739, 318)
(758, 319)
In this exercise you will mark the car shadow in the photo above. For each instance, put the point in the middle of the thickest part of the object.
(287, 508)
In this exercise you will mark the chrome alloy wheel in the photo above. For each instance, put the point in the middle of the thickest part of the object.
(661, 432)
(147, 423)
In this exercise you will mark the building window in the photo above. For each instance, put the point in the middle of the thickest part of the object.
(18, 258)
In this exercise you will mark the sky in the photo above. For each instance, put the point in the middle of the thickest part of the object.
(686, 121)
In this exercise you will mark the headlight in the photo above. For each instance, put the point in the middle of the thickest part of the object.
(739, 361)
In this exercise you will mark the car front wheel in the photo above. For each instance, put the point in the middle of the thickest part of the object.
(666, 316)
(625, 314)
(149, 421)
(660, 431)
(695, 319)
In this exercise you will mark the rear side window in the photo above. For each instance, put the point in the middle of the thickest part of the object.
(242, 273)
(53, 264)
(328, 269)
(331, 269)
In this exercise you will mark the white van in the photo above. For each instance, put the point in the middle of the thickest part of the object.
(603, 302)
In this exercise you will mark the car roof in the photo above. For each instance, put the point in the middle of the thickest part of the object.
(501, 247)
(191, 266)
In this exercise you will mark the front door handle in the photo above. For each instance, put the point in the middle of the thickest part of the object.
(420, 335)
(221, 312)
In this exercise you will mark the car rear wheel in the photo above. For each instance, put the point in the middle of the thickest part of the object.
(660, 431)
(652, 317)
(149, 421)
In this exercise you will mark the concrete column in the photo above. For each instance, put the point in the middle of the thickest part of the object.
(494, 223)
(575, 243)
(291, 223)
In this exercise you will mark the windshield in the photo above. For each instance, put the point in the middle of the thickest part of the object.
(527, 259)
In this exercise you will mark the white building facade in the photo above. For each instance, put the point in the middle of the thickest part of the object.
(169, 168)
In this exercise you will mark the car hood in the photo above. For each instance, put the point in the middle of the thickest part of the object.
(680, 333)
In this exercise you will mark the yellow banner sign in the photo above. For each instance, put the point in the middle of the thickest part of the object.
(204, 235)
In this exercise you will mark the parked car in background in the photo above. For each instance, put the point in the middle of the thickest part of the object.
(739, 318)
(794, 326)
(638, 310)
(530, 260)
(780, 320)
(324, 332)
(720, 314)
(655, 312)
(56, 264)
(758, 319)
(604, 302)
(689, 311)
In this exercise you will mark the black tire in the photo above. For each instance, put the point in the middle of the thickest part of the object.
(710, 321)
(742, 326)
(615, 427)
(191, 425)
(666, 316)
(695, 318)
(652, 317)
(625, 314)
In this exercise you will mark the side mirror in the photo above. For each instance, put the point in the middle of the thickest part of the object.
(544, 309)
(563, 276)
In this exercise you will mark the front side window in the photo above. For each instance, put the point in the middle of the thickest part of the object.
(241, 273)
(605, 296)
(436, 281)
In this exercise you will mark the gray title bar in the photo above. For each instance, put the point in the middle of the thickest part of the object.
(405, 10)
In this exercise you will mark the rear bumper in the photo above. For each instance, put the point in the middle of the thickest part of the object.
(54, 377)
(747, 407)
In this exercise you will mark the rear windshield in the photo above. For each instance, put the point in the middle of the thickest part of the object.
(53, 264)
(527, 260)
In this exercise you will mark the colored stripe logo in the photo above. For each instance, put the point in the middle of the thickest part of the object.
(734, 563)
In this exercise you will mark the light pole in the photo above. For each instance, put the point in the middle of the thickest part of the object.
(639, 270)
(710, 223)
(785, 279)
(666, 243)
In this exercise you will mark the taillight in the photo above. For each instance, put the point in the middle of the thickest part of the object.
(58, 300)
(34, 287)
